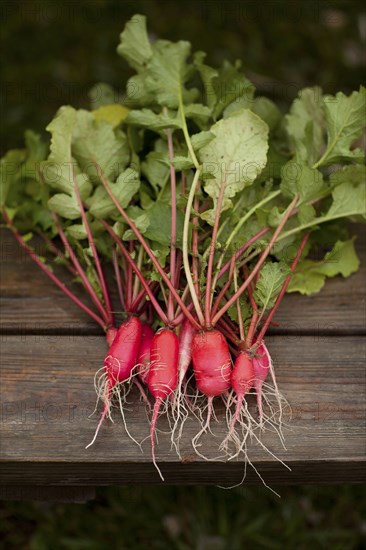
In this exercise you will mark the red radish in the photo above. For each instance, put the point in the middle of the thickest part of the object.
(211, 363)
(242, 381)
(163, 375)
(212, 369)
(242, 376)
(143, 360)
(120, 360)
(123, 353)
(261, 366)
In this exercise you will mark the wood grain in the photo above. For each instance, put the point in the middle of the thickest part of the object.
(31, 303)
(48, 395)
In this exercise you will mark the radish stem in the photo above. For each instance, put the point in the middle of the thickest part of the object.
(53, 277)
(259, 264)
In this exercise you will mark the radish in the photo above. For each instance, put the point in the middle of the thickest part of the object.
(212, 369)
(211, 363)
(184, 360)
(123, 353)
(143, 360)
(163, 375)
(185, 350)
(242, 381)
(119, 362)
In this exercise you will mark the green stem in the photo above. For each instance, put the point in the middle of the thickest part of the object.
(186, 133)
(186, 265)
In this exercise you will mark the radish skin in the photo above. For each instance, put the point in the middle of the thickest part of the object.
(163, 375)
(242, 381)
(123, 353)
(211, 362)
(119, 362)
(143, 360)
(185, 349)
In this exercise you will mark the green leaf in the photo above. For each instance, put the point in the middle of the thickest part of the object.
(101, 94)
(58, 169)
(270, 282)
(134, 43)
(182, 163)
(235, 157)
(156, 170)
(353, 173)
(303, 180)
(208, 76)
(113, 114)
(198, 112)
(168, 72)
(230, 87)
(64, 205)
(9, 172)
(146, 118)
(126, 186)
(267, 111)
(97, 147)
(77, 231)
(306, 213)
(305, 125)
(159, 228)
(310, 275)
(346, 118)
(348, 200)
(201, 139)
(36, 147)
(142, 222)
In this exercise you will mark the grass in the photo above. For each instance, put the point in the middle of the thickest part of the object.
(192, 518)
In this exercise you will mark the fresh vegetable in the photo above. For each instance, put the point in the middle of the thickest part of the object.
(207, 203)
(163, 375)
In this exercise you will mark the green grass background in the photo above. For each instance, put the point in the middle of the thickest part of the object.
(52, 53)
(193, 518)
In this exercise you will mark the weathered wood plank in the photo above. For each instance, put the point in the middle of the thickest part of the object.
(31, 303)
(48, 395)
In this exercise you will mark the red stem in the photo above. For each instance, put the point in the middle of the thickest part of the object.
(259, 263)
(243, 249)
(283, 290)
(209, 288)
(53, 277)
(102, 282)
(224, 288)
(129, 278)
(255, 316)
(149, 252)
(118, 279)
(57, 253)
(79, 269)
(151, 296)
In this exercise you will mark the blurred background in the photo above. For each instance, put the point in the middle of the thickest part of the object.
(53, 52)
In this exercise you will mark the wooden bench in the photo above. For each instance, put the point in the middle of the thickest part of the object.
(50, 352)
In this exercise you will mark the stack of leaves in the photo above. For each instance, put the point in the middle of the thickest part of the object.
(207, 202)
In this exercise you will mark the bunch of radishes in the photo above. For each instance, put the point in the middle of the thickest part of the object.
(206, 202)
